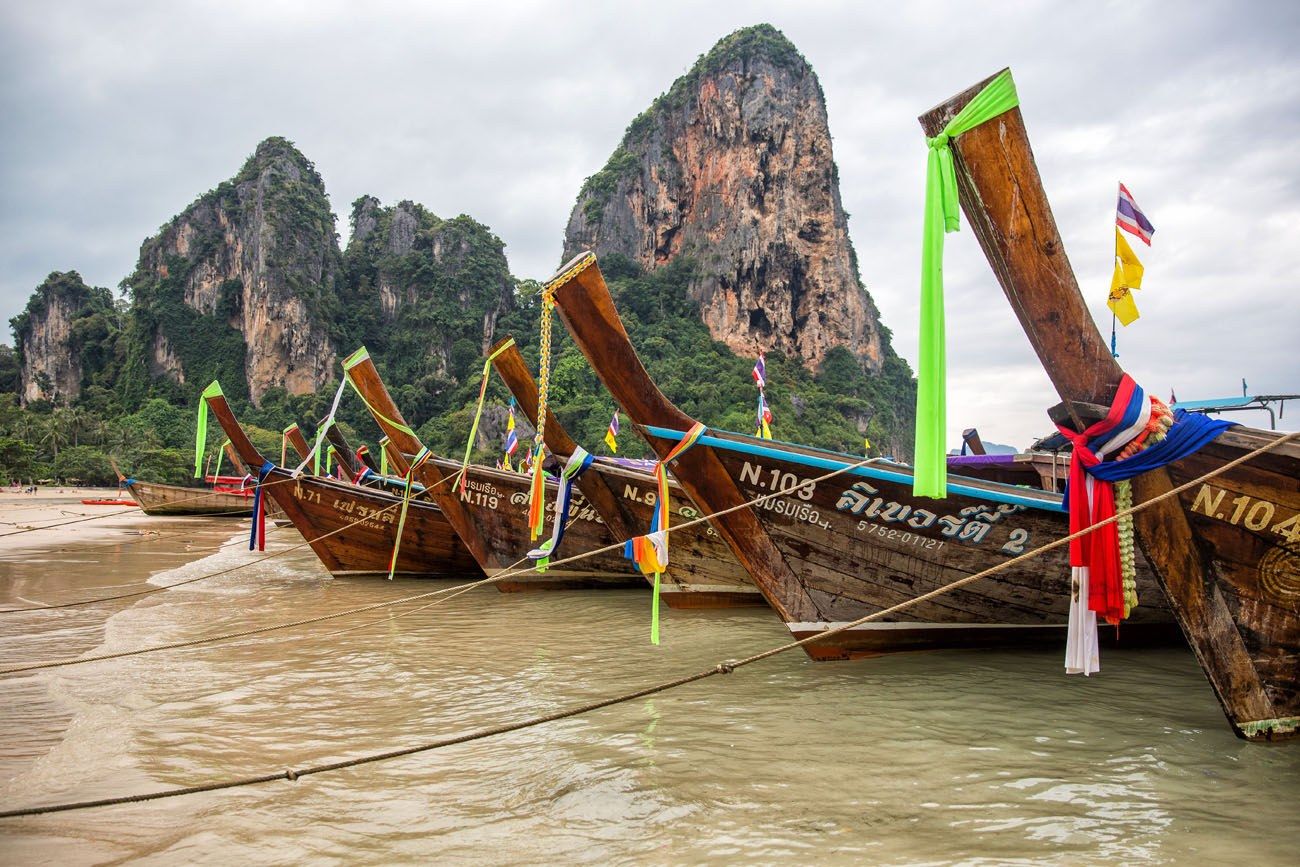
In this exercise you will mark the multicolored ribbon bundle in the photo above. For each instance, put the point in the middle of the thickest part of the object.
(650, 552)
(1140, 430)
(577, 464)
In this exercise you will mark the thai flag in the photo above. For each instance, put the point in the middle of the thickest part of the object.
(760, 372)
(1129, 217)
(512, 441)
(611, 435)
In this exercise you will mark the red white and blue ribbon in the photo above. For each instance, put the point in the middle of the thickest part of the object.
(257, 532)
(1090, 499)
(577, 464)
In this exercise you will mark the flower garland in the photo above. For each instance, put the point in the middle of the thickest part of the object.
(1162, 418)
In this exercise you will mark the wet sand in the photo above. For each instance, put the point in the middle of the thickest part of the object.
(23, 515)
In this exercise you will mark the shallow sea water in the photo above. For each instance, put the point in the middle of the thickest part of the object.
(927, 758)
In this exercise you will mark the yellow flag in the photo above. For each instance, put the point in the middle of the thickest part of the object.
(611, 442)
(1127, 277)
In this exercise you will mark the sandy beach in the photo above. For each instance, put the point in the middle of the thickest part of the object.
(42, 519)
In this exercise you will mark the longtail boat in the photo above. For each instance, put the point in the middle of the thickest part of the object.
(161, 499)
(353, 529)
(703, 573)
(1227, 552)
(844, 537)
(490, 509)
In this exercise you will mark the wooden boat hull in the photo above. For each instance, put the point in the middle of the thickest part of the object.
(1246, 523)
(1230, 585)
(853, 544)
(703, 572)
(860, 542)
(157, 498)
(497, 501)
(353, 529)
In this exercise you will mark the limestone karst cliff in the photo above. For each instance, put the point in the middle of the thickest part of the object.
(241, 284)
(424, 294)
(65, 337)
(732, 167)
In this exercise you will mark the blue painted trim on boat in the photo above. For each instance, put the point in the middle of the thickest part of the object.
(870, 472)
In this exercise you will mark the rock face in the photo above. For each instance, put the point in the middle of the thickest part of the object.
(733, 168)
(249, 270)
(65, 322)
(424, 293)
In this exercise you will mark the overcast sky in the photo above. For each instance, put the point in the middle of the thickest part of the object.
(116, 115)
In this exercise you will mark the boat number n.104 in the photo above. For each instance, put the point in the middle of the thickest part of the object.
(1249, 512)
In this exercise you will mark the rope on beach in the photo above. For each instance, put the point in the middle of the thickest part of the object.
(724, 667)
(456, 590)
(204, 496)
(234, 568)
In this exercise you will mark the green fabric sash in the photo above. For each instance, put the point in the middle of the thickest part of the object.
(201, 428)
(930, 477)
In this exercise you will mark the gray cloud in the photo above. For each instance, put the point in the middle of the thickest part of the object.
(118, 115)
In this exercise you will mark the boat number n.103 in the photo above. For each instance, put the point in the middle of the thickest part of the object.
(776, 480)
(1249, 512)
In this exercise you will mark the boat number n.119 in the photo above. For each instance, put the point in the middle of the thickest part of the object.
(776, 480)
(1249, 512)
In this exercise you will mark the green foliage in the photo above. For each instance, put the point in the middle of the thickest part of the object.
(95, 330)
(833, 409)
(16, 459)
(85, 464)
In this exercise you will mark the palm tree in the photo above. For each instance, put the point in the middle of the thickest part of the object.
(78, 420)
(55, 432)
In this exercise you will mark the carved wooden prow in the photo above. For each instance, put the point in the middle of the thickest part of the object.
(342, 450)
(1007, 209)
(360, 369)
(299, 442)
(249, 454)
(594, 486)
(583, 301)
(971, 440)
(240, 468)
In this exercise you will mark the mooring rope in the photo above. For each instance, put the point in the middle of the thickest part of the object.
(725, 667)
(483, 582)
(234, 568)
(204, 496)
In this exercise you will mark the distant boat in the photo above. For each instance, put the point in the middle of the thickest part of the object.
(161, 499)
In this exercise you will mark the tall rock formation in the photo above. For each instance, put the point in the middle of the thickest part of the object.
(64, 337)
(424, 294)
(732, 167)
(241, 284)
